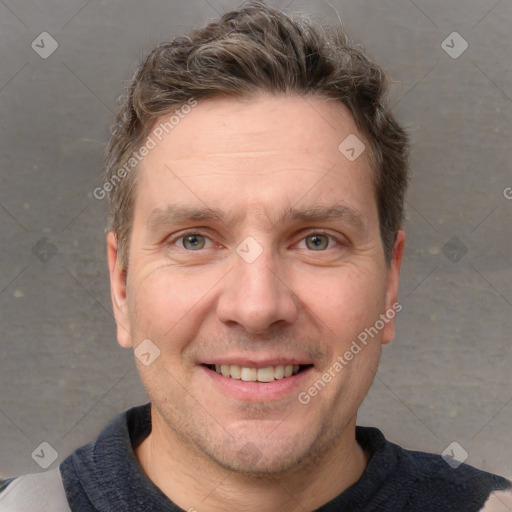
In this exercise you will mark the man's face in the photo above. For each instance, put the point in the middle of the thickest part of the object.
(255, 244)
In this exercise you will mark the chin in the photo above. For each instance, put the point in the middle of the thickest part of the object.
(261, 459)
(259, 466)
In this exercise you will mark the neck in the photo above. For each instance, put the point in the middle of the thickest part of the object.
(194, 482)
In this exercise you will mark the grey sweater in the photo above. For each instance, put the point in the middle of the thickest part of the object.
(104, 476)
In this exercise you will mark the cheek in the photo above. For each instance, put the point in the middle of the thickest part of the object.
(166, 304)
(346, 299)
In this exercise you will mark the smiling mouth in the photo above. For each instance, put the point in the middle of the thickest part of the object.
(267, 374)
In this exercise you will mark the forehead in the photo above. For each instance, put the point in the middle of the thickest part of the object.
(256, 154)
(257, 127)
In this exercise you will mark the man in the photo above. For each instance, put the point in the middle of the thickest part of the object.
(256, 182)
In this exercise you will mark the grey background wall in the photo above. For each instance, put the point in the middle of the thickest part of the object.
(447, 375)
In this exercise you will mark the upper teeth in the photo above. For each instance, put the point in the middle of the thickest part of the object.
(267, 374)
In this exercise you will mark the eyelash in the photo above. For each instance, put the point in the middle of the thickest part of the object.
(183, 235)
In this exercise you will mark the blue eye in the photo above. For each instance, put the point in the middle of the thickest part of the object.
(317, 242)
(193, 242)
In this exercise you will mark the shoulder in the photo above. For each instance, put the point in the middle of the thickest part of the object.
(427, 467)
(446, 484)
(88, 468)
(37, 492)
(424, 481)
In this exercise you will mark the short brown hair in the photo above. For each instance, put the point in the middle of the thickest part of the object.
(250, 50)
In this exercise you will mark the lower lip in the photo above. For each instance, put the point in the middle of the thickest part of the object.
(259, 391)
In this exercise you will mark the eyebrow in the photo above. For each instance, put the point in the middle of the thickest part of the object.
(175, 214)
(340, 212)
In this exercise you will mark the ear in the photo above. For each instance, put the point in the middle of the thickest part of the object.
(118, 292)
(392, 305)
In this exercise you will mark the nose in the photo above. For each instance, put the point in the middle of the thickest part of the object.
(255, 296)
